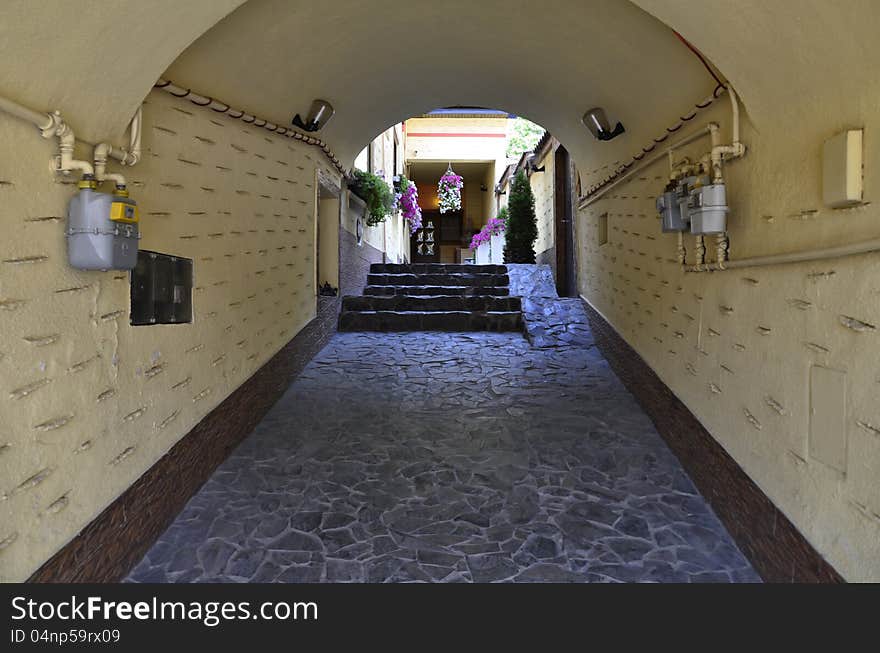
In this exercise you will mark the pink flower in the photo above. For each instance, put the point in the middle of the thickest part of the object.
(494, 227)
(409, 205)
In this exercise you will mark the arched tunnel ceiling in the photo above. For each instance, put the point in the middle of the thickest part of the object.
(386, 60)
(382, 61)
(94, 60)
(792, 61)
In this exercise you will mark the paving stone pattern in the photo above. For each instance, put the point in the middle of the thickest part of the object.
(473, 457)
(550, 321)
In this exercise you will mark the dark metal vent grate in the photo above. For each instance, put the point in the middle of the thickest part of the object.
(161, 289)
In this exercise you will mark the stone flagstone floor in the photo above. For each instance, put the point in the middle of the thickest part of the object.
(456, 458)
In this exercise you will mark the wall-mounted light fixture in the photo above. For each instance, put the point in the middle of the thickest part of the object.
(533, 168)
(319, 116)
(597, 122)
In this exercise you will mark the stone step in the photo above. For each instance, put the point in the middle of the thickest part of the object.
(467, 291)
(442, 279)
(430, 321)
(435, 268)
(431, 303)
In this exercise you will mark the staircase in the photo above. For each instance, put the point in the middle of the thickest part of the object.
(433, 297)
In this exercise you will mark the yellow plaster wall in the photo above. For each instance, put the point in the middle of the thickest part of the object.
(328, 241)
(472, 204)
(489, 180)
(542, 188)
(737, 347)
(88, 403)
(450, 148)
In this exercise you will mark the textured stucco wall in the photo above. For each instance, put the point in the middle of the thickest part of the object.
(738, 346)
(88, 402)
(542, 184)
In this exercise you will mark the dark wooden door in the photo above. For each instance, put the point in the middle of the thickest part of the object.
(565, 280)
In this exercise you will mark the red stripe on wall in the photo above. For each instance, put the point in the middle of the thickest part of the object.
(454, 135)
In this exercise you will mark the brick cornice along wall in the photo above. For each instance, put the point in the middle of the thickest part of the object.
(767, 537)
(107, 549)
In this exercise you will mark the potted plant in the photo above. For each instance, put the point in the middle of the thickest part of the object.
(377, 195)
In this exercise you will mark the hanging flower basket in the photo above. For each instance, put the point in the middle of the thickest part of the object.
(449, 191)
(407, 197)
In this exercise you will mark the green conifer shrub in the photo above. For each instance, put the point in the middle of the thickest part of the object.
(522, 225)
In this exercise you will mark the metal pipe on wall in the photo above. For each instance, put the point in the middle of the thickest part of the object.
(646, 163)
(52, 124)
(866, 247)
(42, 121)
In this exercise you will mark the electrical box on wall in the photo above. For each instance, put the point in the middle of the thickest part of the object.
(161, 289)
(842, 169)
